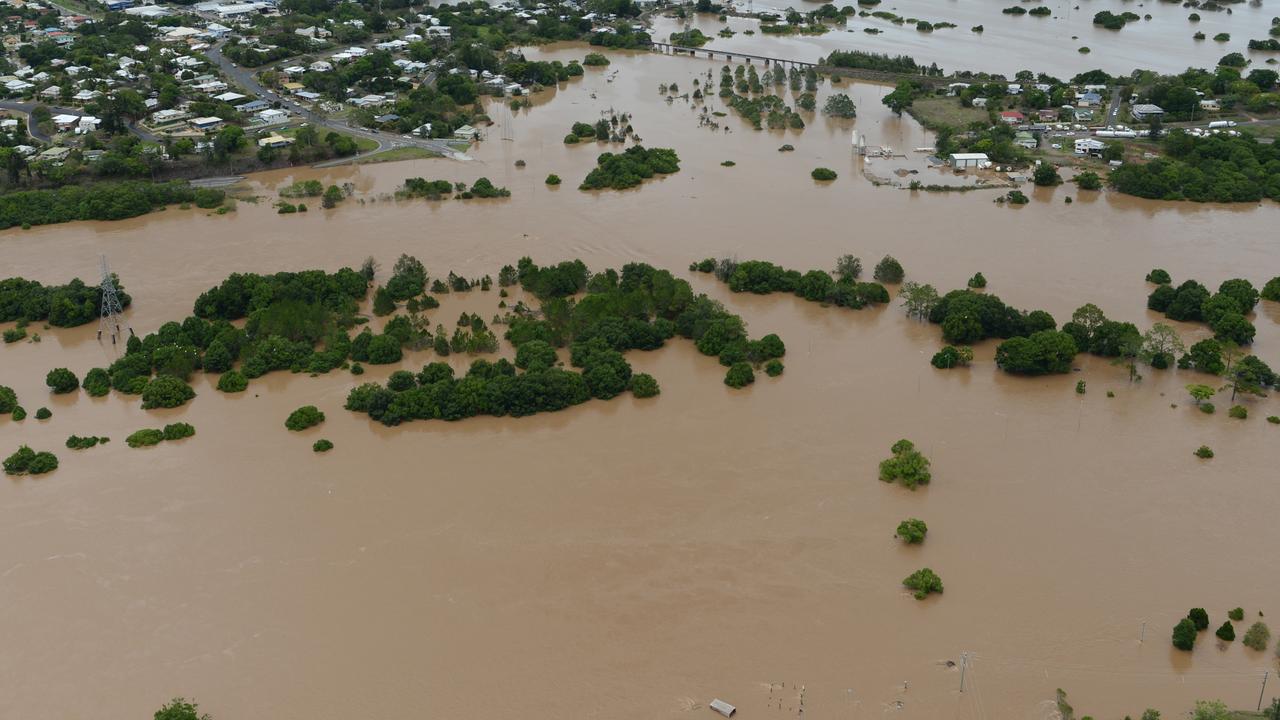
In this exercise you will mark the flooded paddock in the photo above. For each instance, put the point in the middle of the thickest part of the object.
(636, 558)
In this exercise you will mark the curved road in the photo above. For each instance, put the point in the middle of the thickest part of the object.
(27, 107)
(245, 78)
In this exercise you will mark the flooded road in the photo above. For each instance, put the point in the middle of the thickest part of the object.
(1009, 43)
(636, 558)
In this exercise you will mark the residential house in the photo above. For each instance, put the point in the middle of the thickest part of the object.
(205, 124)
(87, 124)
(55, 155)
(64, 122)
(1026, 140)
(321, 66)
(979, 102)
(466, 132)
(1012, 117)
(272, 116)
(1047, 115)
(1146, 112)
(165, 117)
(275, 141)
(1088, 99)
(1089, 146)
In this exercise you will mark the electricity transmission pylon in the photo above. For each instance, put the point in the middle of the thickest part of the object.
(110, 319)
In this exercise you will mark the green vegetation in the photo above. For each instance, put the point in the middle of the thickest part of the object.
(60, 305)
(739, 375)
(762, 278)
(644, 386)
(1184, 635)
(689, 38)
(166, 391)
(907, 466)
(321, 445)
(102, 201)
(1257, 637)
(923, 582)
(232, 381)
(13, 335)
(148, 437)
(1204, 452)
(1199, 617)
(75, 442)
(978, 281)
(967, 317)
(901, 98)
(304, 417)
(595, 60)
(1159, 277)
(903, 64)
(1041, 353)
(96, 382)
(26, 461)
(553, 179)
(1197, 169)
(180, 709)
(1236, 614)
(1112, 21)
(823, 174)
(1046, 175)
(950, 356)
(1226, 633)
(62, 381)
(839, 105)
(889, 270)
(1239, 412)
(774, 368)
(912, 531)
(630, 168)
(1224, 311)
(43, 414)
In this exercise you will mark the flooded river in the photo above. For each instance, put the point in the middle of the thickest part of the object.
(1009, 43)
(637, 558)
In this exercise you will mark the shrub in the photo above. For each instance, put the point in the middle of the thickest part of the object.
(889, 270)
(1236, 614)
(232, 381)
(304, 417)
(1088, 180)
(145, 438)
(1207, 408)
(978, 281)
(1184, 634)
(1159, 277)
(1227, 632)
(26, 461)
(75, 442)
(1080, 387)
(553, 179)
(43, 414)
(946, 358)
(1200, 617)
(644, 386)
(177, 431)
(97, 382)
(321, 445)
(823, 174)
(907, 466)
(595, 60)
(1016, 197)
(62, 381)
(19, 414)
(1046, 175)
(8, 399)
(1238, 412)
(357, 369)
(1257, 637)
(922, 582)
(1273, 419)
(166, 391)
(739, 375)
(912, 530)
(773, 368)
(1204, 452)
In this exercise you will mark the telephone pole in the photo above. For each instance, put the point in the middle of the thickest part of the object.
(1262, 692)
(964, 664)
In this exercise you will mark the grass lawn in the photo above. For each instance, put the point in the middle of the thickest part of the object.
(933, 112)
(363, 144)
(397, 154)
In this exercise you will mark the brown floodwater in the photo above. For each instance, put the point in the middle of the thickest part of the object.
(637, 558)
(1010, 43)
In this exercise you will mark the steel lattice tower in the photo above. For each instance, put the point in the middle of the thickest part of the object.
(110, 318)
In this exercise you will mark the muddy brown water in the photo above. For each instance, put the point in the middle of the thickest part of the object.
(1010, 43)
(637, 558)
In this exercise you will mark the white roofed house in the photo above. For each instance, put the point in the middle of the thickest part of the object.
(1145, 112)
(53, 92)
(961, 161)
(272, 116)
(321, 66)
(65, 121)
(205, 124)
(1089, 146)
(88, 124)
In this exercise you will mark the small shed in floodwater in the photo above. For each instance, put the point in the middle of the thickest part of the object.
(723, 708)
(962, 161)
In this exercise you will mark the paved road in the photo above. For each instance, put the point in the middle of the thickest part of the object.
(35, 132)
(1113, 111)
(245, 78)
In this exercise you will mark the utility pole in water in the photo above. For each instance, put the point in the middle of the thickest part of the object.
(1262, 692)
(964, 663)
(1143, 634)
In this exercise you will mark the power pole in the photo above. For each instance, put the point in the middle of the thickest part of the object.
(1265, 675)
(110, 312)
(1143, 634)
(964, 663)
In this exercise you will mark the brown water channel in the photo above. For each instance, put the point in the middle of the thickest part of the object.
(637, 558)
